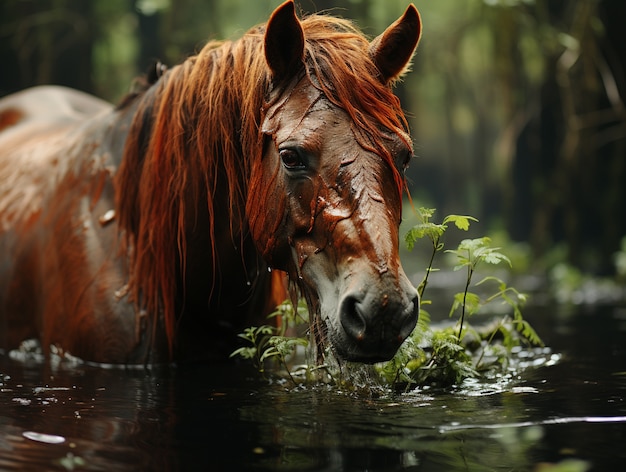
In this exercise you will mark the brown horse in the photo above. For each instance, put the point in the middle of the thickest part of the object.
(155, 230)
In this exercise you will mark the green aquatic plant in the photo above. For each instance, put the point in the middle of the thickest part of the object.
(257, 343)
(275, 342)
(431, 355)
(449, 354)
(434, 232)
(470, 253)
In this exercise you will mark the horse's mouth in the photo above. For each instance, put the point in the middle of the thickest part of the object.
(365, 354)
(372, 348)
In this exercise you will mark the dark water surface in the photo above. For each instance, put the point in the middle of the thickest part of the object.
(221, 417)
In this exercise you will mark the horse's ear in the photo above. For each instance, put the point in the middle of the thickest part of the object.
(393, 49)
(284, 42)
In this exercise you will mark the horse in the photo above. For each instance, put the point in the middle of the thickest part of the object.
(154, 230)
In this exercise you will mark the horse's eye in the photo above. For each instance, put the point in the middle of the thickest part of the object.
(292, 160)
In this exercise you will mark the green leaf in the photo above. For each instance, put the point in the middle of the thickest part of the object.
(422, 230)
(471, 252)
(265, 329)
(244, 352)
(501, 284)
(471, 301)
(269, 352)
(286, 344)
(472, 245)
(411, 237)
(491, 256)
(528, 332)
(426, 214)
(463, 262)
(460, 221)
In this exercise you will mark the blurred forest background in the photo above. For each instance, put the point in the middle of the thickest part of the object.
(516, 106)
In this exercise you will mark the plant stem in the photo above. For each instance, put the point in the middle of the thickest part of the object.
(429, 269)
(493, 333)
(470, 271)
(284, 362)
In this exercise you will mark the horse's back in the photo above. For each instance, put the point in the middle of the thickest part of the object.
(50, 103)
(36, 127)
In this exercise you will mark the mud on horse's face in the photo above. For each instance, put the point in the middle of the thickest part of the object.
(333, 197)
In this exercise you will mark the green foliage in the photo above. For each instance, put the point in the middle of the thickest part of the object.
(289, 316)
(257, 340)
(264, 343)
(470, 253)
(445, 358)
(434, 232)
(440, 356)
(450, 362)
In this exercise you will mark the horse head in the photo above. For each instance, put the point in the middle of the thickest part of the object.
(325, 199)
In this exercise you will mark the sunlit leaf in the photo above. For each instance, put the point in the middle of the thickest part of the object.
(494, 257)
(426, 213)
(460, 221)
(422, 230)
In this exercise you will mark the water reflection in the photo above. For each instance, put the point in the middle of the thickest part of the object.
(223, 417)
(103, 417)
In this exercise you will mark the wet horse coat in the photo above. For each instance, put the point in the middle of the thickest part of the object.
(145, 232)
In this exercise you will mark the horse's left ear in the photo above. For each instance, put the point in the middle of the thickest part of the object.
(393, 49)
(284, 42)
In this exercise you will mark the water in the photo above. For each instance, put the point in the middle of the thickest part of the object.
(224, 417)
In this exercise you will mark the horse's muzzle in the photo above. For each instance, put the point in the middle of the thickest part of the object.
(375, 324)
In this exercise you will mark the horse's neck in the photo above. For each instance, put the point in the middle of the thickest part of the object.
(116, 132)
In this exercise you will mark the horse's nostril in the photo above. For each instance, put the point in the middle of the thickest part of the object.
(352, 319)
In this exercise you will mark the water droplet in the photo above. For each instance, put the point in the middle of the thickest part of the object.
(44, 438)
(107, 218)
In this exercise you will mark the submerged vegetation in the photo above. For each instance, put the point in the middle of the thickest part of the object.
(433, 355)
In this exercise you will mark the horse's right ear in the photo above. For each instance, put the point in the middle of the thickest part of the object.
(284, 42)
(393, 49)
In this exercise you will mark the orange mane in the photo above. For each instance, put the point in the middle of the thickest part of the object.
(202, 120)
